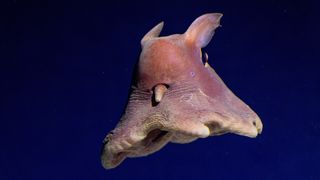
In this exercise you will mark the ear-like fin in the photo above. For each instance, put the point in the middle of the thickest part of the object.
(200, 32)
(154, 32)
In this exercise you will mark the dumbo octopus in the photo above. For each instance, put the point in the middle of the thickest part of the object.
(176, 97)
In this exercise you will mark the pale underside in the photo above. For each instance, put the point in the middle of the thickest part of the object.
(184, 114)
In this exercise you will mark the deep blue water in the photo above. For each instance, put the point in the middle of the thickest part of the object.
(65, 75)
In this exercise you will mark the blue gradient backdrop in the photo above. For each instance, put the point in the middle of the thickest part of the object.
(65, 75)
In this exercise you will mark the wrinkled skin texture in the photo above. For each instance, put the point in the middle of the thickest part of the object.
(177, 98)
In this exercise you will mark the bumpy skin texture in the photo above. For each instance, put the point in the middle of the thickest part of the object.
(177, 98)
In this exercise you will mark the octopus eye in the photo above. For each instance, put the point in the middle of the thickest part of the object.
(204, 57)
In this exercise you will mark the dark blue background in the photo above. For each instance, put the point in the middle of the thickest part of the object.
(65, 75)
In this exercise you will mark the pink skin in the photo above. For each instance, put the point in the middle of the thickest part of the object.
(177, 98)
